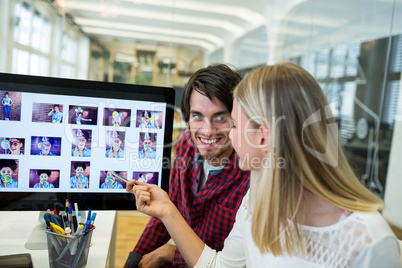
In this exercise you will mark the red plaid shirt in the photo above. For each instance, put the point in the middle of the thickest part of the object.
(210, 212)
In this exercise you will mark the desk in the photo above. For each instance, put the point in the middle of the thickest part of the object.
(16, 226)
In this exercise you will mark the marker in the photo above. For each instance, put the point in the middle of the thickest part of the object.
(89, 215)
(66, 207)
(76, 209)
(92, 220)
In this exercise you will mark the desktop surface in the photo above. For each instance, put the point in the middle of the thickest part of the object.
(16, 226)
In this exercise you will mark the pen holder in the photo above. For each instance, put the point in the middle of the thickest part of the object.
(68, 251)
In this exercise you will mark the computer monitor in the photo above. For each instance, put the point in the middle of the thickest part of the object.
(62, 139)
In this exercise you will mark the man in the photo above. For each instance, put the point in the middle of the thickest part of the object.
(55, 113)
(7, 168)
(7, 102)
(16, 145)
(45, 145)
(43, 176)
(110, 181)
(79, 180)
(114, 143)
(80, 149)
(147, 141)
(206, 183)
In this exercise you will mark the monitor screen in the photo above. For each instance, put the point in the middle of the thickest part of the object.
(81, 140)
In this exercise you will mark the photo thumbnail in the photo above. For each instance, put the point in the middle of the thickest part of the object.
(116, 117)
(146, 176)
(44, 178)
(79, 175)
(12, 146)
(9, 173)
(81, 146)
(11, 106)
(149, 119)
(47, 112)
(115, 144)
(47, 146)
(147, 148)
(108, 181)
(82, 115)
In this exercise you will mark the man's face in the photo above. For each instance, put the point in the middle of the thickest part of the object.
(43, 177)
(116, 144)
(46, 147)
(210, 126)
(81, 141)
(79, 170)
(6, 171)
(15, 146)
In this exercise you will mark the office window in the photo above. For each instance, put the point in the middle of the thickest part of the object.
(332, 92)
(348, 100)
(352, 60)
(20, 61)
(41, 31)
(32, 40)
(322, 64)
(22, 23)
(338, 59)
(68, 48)
(307, 61)
(391, 104)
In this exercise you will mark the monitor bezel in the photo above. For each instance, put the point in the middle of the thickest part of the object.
(25, 201)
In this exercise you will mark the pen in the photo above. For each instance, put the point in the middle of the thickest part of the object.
(89, 215)
(70, 217)
(65, 220)
(117, 176)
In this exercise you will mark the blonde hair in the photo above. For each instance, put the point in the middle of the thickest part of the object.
(285, 89)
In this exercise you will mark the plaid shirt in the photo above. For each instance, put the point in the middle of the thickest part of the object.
(210, 212)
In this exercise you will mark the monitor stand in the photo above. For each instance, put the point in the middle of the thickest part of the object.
(37, 239)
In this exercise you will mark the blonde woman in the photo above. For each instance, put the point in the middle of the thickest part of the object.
(305, 206)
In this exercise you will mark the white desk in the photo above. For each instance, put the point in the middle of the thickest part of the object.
(15, 228)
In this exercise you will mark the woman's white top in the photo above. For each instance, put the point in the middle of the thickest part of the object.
(358, 240)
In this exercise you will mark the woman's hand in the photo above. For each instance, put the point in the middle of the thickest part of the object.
(150, 199)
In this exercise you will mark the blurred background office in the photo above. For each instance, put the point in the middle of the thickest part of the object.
(352, 47)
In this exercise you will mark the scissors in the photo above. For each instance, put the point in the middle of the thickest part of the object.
(58, 230)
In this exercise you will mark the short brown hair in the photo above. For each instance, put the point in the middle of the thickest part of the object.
(217, 81)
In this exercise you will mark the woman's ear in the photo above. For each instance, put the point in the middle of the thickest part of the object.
(264, 138)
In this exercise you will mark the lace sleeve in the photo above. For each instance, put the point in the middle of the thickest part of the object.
(383, 253)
